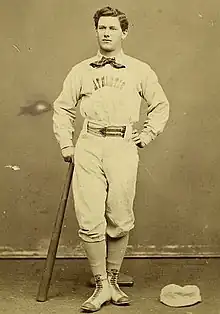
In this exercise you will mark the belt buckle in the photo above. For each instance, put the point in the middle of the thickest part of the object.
(103, 131)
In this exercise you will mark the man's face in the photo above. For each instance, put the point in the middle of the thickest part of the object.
(109, 33)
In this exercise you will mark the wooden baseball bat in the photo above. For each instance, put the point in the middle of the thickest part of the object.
(52, 251)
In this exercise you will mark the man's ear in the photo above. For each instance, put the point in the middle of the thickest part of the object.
(124, 34)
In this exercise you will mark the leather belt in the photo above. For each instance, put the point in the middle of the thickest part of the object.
(107, 131)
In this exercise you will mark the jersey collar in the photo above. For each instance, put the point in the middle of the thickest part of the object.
(119, 57)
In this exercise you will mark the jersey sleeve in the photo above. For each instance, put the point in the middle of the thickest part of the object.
(64, 109)
(158, 106)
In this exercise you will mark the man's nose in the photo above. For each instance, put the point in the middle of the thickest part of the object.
(106, 33)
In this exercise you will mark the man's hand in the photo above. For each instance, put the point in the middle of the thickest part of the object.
(136, 139)
(68, 154)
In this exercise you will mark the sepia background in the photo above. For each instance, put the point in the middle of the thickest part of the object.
(178, 201)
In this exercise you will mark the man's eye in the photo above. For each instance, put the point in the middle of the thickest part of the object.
(113, 28)
(101, 27)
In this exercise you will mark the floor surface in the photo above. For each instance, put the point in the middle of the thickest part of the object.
(69, 286)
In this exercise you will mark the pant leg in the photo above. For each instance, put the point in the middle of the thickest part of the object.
(120, 166)
(89, 189)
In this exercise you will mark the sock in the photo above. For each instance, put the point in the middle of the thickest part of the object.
(116, 248)
(96, 254)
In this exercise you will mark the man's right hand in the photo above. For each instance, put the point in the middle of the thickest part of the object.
(68, 153)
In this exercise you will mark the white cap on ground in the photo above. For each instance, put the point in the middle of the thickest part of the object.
(177, 296)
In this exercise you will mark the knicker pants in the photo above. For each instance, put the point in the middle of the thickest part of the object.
(104, 183)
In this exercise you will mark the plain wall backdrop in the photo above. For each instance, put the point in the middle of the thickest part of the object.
(177, 202)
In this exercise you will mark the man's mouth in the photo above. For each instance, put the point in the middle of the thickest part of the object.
(106, 40)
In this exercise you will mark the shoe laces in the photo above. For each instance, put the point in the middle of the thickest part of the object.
(113, 279)
(113, 274)
(99, 286)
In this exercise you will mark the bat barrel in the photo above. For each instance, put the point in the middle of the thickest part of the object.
(52, 251)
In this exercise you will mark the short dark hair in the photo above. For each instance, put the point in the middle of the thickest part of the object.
(108, 11)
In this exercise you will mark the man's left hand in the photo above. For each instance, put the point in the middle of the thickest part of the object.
(136, 139)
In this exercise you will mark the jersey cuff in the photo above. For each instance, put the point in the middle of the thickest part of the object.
(146, 137)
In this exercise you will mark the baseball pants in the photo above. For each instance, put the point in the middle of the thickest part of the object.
(104, 184)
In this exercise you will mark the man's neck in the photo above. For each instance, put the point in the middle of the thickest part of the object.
(110, 53)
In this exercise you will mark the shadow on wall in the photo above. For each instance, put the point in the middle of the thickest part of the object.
(36, 108)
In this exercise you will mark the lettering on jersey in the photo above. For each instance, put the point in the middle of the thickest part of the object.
(110, 81)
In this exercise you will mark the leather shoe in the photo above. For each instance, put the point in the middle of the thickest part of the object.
(118, 296)
(101, 295)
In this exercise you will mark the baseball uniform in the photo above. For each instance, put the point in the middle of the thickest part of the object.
(104, 180)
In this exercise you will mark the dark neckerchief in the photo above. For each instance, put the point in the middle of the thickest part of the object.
(104, 61)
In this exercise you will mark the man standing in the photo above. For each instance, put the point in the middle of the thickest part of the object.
(108, 88)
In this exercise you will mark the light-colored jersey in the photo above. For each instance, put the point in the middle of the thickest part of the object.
(110, 96)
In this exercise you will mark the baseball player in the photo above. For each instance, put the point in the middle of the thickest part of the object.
(108, 88)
